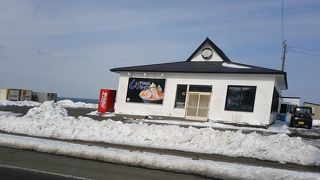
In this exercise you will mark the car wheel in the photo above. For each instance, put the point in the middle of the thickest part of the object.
(291, 124)
(310, 125)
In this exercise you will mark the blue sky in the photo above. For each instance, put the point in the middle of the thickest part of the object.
(68, 46)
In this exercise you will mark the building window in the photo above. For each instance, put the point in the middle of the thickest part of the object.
(275, 101)
(240, 98)
(181, 96)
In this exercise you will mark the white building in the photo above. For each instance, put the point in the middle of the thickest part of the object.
(288, 104)
(208, 85)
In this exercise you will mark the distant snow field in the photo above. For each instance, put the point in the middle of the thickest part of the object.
(69, 103)
(62, 103)
(51, 120)
(19, 103)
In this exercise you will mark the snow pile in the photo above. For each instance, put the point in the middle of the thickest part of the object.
(69, 103)
(211, 169)
(50, 120)
(18, 103)
(230, 65)
(48, 110)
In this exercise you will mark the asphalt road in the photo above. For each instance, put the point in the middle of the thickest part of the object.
(18, 164)
(14, 173)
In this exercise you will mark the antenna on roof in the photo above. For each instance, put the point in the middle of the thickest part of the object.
(284, 42)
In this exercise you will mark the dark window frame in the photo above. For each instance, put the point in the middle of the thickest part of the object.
(275, 101)
(239, 108)
(200, 88)
(175, 99)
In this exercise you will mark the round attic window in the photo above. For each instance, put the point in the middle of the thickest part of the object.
(206, 53)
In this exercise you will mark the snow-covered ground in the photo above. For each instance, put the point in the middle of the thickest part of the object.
(51, 120)
(277, 127)
(107, 114)
(316, 122)
(206, 168)
(7, 114)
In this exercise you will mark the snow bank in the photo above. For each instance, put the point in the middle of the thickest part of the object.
(69, 103)
(50, 120)
(211, 169)
(48, 110)
(19, 103)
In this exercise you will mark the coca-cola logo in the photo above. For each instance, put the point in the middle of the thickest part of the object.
(103, 101)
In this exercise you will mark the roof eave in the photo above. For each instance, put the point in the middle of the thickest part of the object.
(196, 72)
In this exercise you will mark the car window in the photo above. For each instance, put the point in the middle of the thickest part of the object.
(303, 110)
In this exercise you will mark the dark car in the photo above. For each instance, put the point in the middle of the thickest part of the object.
(301, 117)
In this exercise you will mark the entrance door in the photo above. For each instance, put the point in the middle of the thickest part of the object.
(198, 105)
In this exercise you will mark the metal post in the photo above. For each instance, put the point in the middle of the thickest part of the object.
(284, 51)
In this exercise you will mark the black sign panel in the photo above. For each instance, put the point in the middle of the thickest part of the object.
(144, 90)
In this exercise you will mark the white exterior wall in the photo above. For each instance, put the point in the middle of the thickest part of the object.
(290, 101)
(13, 94)
(25, 95)
(219, 82)
(3, 94)
(273, 115)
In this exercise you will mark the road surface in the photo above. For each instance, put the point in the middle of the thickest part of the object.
(24, 164)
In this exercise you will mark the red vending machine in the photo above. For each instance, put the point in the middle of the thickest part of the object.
(107, 99)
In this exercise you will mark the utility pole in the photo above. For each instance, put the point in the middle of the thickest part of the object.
(284, 51)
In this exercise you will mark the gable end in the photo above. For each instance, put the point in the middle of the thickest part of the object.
(214, 47)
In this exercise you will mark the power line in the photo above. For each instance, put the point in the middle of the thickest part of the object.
(309, 49)
(304, 53)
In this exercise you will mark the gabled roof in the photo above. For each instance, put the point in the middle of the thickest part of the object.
(189, 66)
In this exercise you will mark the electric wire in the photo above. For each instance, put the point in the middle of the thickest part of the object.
(282, 27)
(309, 49)
(301, 52)
(290, 48)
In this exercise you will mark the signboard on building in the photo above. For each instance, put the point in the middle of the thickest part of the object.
(145, 90)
